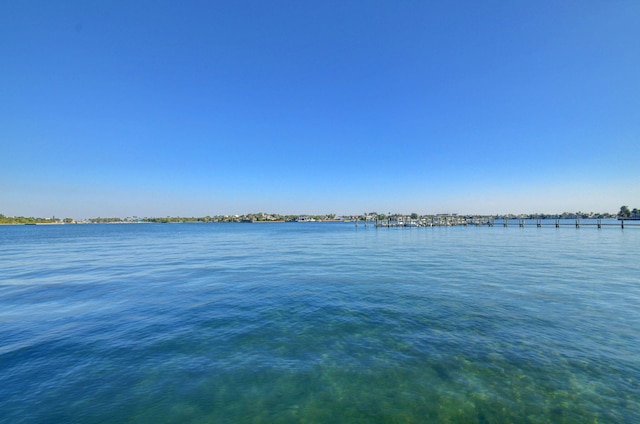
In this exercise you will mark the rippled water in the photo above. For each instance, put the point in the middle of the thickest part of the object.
(229, 323)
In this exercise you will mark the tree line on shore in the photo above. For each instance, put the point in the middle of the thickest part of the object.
(32, 220)
(625, 212)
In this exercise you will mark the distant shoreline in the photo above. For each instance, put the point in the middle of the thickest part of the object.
(323, 218)
(336, 221)
(35, 223)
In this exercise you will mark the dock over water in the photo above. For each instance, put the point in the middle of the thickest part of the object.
(489, 221)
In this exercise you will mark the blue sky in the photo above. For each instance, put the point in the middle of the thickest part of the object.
(155, 108)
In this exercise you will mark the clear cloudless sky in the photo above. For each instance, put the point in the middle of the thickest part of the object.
(193, 108)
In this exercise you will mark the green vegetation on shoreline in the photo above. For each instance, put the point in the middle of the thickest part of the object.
(31, 220)
(625, 212)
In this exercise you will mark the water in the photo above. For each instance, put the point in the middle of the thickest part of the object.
(312, 322)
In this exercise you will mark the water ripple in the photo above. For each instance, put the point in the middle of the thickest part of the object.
(318, 322)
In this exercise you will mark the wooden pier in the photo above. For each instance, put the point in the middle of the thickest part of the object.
(488, 221)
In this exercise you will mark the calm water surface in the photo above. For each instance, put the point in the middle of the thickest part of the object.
(234, 323)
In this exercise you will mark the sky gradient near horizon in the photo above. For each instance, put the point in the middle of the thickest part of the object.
(156, 108)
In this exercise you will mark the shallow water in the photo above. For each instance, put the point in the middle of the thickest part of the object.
(316, 322)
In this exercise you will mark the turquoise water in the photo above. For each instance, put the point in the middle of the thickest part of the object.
(311, 322)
